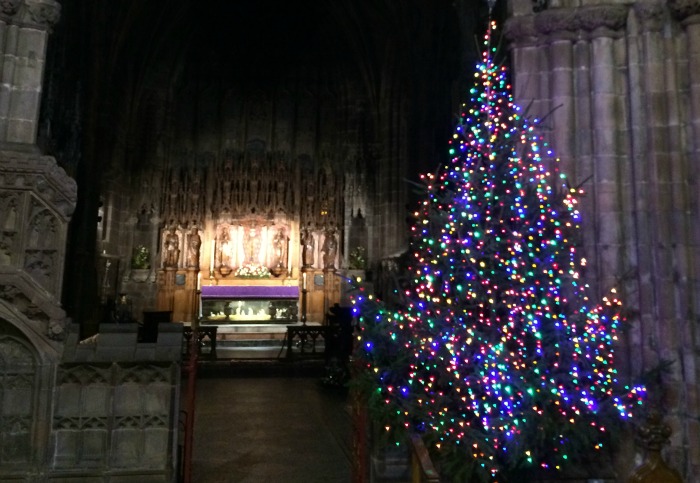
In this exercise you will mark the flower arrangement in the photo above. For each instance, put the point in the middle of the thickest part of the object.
(252, 271)
(357, 259)
(141, 258)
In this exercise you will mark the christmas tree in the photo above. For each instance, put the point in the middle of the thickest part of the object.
(498, 358)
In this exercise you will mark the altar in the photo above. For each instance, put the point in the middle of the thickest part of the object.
(249, 304)
(248, 268)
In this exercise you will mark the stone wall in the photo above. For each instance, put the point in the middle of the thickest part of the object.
(117, 407)
(101, 410)
(618, 84)
(107, 411)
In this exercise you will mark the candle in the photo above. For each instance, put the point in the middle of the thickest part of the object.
(211, 258)
(289, 258)
(199, 281)
(303, 281)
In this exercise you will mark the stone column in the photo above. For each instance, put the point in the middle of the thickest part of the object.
(636, 120)
(578, 50)
(391, 197)
(24, 30)
(529, 64)
(556, 29)
(649, 119)
(689, 13)
(603, 26)
(40, 196)
(686, 192)
(130, 227)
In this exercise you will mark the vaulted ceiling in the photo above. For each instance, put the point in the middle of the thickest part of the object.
(107, 60)
(116, 70)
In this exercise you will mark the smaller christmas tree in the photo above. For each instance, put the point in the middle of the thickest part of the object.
(498, 358)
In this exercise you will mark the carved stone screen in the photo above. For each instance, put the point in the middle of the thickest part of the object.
(17, 398)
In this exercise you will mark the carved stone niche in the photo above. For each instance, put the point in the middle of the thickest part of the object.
(252, 242)
(37, 199)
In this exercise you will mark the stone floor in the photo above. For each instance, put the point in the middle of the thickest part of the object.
(276, 423)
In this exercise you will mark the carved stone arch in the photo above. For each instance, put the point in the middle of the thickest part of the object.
(44, 233)
(256, 146)
(13, 321)
(19, 397)
(11, 203)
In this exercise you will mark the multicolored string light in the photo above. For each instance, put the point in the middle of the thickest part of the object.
(499, 339)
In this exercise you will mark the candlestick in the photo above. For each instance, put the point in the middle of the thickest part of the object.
(211, 258)
(304, 294)
(289, 257)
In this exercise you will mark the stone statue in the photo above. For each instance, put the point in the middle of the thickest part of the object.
(308, 243)
(41, 231)
(278, 244)
(194, 242)
(330, 249)
(11, 214)
(171, 252)
(252, 246)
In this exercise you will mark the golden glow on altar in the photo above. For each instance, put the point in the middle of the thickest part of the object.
(249, 315)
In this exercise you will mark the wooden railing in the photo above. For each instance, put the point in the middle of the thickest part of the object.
(419, 465)
(190, 366)
(422, 468)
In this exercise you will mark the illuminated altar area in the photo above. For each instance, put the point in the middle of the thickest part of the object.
(237, 245)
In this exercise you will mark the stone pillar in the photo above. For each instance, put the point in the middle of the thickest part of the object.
(649, 118)
(608, 142)
(24, 30)
(130, 226)
(686, 192)
(37, 199)
(577, 53)
(689, 13)
(525, 56)
(636, 124)
(390, 203)
(559, 38)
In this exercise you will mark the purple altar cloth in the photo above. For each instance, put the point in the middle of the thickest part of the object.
(249, 291)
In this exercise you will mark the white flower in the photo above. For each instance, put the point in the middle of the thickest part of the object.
(252, 271)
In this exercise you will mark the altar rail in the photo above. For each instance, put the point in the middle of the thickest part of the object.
(305, 338)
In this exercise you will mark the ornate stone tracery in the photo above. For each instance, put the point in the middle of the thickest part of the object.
(651, 15)
(17, 407)
(9, 7)
(37, 199)
(247, 191)
(253, 184)
(581, 21)
(218, 217)
(684, 9)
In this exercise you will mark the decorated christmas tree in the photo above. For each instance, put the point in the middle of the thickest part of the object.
(498, 358)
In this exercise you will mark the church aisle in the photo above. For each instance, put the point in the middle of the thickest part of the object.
(270, 429)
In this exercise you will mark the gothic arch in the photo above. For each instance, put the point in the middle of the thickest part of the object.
(19, 397)
(45, 350)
